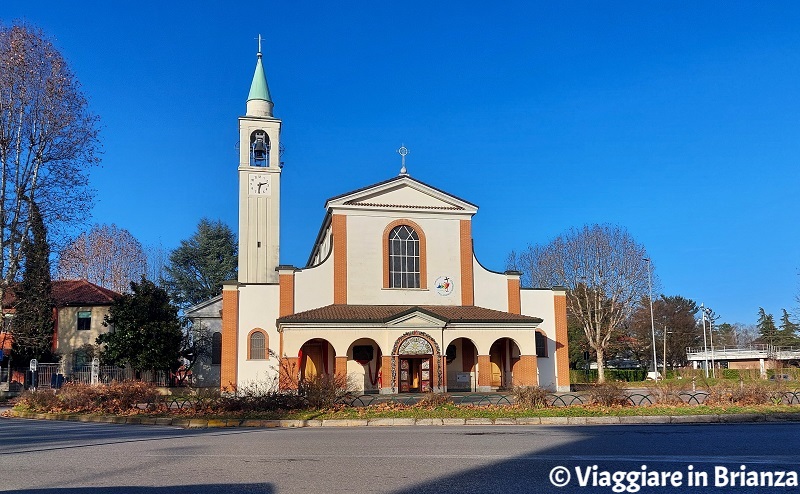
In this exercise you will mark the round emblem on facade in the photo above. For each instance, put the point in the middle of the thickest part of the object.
(444, 285)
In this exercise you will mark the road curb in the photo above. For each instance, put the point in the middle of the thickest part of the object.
(734, 418)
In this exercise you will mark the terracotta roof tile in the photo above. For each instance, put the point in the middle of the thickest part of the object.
(82, 292)
(385, 313)
(71, 292)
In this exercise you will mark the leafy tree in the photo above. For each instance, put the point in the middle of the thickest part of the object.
(198, 267)
(787, 334)
(735, 335)
(32, 325)
(727, 335)
(106, 255)
(767, 331)
(675, 317)
(145, 329)
(48, 142)
(606, 274)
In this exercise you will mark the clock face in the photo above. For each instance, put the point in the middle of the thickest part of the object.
(259, 184)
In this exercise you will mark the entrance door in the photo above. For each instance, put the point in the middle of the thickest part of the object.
(313, 361)
(415, 375)
(496, 363)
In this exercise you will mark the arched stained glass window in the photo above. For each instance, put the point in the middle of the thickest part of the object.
(404, 258)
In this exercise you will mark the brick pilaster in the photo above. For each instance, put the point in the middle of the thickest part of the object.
(386, 373)
(230, 335)
(339, 232)
(290, 368)
(514, 302)
(467, 280)
(525, 372)
(562, 348)
(340, 366)
(286, 280)
(484, 371)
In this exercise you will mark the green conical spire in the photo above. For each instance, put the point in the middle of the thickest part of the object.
(259, 88)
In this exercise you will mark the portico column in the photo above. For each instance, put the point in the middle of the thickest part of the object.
(340, 367)
(386, 375)
(484, 373)
(525, 371)
(444, 373)
(290, 367)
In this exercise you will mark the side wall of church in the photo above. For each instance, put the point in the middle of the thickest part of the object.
(540, 303)
(258, 309)
(491, 289)
(313, 287)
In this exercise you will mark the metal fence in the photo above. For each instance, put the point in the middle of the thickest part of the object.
(53, 375)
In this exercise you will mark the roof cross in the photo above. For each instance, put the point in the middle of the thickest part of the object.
(403, 151)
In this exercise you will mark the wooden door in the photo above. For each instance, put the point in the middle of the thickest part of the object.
(313, 365)
(405, 376)
(425, 376)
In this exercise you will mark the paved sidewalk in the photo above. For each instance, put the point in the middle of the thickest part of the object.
(406, 422)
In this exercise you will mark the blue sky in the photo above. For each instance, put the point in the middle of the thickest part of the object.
(676, 120)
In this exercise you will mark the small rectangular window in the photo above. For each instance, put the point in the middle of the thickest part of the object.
(541, 345)
(84, 320)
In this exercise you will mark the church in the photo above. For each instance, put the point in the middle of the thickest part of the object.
(392, 295)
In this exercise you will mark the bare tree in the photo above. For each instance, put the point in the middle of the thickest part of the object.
(605, 273)
(107, 256)
(157, 261)
(48, 142)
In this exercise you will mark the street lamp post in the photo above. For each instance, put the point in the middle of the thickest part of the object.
(705, 343)
(652, 319)
(708, 313)
(665, 350)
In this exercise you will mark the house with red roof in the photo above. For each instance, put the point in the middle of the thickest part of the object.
(80, 307)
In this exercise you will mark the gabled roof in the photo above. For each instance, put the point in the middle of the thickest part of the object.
(82, 292)
(198, 310)
(370, 196)
(341, 313)
(70, 293)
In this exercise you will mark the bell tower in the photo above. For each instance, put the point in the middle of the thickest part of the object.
(259, 184)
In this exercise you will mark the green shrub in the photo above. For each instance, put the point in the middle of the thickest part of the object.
(626, 375)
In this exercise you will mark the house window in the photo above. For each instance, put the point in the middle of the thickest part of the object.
(541, 345)
(216, 348)
(84, 320)
(404, 258)
(257, 345)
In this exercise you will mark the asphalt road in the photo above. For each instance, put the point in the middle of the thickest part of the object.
(68, 457)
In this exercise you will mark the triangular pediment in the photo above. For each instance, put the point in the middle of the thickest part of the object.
(403, 193)
(206, 308)
(416, 319)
